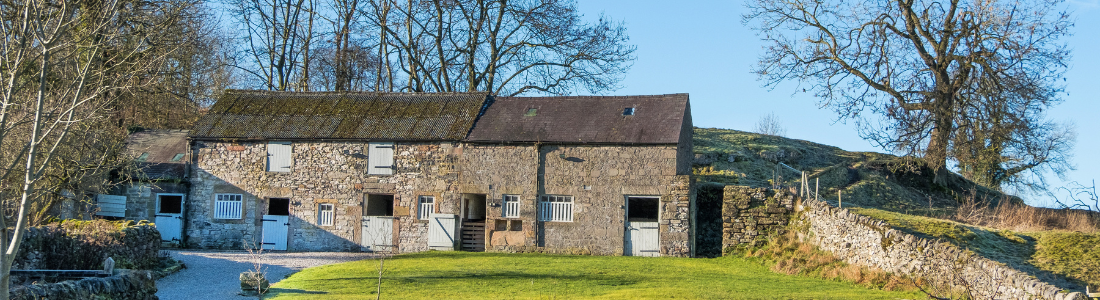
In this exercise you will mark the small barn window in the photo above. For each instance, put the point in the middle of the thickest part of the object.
(326, 212)
(511, 206)
(228, 206)
(553, 208)
(629, 111)
(531, 112)
(278, 157)
(380, 159)
(425, 207)
(178, 157)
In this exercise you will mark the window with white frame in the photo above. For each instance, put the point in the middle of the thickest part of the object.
(425, 207)
(556, 208)
(511, 206)
(326, 212)
(228, 206)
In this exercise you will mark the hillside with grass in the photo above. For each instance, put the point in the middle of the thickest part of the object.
(1060, 246)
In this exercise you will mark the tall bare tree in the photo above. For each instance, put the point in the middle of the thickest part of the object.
(917, 75)
(62, 63)
(501, 46)
(278, 34)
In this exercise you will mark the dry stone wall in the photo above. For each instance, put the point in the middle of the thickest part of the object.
(321, 172)
(84, 245)
(863, 241)
(749, 214)
(126, 285)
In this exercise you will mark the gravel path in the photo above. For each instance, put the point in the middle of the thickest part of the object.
(214, 274)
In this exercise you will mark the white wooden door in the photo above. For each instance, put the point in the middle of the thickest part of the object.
(169, 216)
(441, 232)
(641, 239)
(275, 232)
(377, 233)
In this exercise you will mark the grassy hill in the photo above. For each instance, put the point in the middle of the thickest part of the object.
(1060, 246)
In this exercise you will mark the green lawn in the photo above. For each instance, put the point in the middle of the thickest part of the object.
(461, 275)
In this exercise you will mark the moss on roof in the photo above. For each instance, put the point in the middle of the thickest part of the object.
(241, 114)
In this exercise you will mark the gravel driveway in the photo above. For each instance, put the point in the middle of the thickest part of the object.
(214, 274)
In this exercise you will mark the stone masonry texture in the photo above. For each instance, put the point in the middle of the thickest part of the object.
(321, 172)
(750, 214)
(598, 177)
(864, 241)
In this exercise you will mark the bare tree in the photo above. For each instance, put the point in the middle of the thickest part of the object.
(920, 68)
(770, 125)
(278, 34)
(61, 65)
(504, 47)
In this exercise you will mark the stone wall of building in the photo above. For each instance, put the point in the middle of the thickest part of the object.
(597, 177)
(864, 241)
(749, 214)
(141, 197)
(321, 172)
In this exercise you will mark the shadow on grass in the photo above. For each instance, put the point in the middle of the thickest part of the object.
(278, 291)
(441, 277)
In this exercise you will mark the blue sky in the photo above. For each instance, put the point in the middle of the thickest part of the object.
(701, 48)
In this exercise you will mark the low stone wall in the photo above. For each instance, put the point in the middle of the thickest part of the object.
(127, 285)
(864, 241)
(84, 245)
(750, 213)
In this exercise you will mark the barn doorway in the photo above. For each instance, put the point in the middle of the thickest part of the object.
(377, 233)
(641, 226)
(473, 222)
(276, 227)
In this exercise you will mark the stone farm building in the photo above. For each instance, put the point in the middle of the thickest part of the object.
(410, 172)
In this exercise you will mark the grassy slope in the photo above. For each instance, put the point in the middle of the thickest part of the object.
(878, 185)
(460, 275)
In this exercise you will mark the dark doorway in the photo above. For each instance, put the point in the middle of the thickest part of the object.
(278, 207)
(642, 209)
(170, 204)
(473, 222)
(379, 206)
(708, 214)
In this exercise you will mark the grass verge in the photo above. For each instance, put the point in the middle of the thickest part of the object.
(460, 275)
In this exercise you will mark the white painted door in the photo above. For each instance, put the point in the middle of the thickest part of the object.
(169, 216)
(641, 239)
(275, 232)
(441, 232)
(377, 233)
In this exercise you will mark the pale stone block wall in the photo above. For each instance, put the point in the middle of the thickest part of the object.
(321, 172)
(598, 177)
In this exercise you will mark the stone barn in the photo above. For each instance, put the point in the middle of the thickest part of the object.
(327, 171)
(157, 189)
(413, 172)
(584, 175)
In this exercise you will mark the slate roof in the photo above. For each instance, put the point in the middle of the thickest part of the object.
(371, 116)
(161, 154)
(657, 119)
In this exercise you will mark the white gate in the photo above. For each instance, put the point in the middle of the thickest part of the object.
(275, 232)
(377, 233)
(169, 216)
(441, 232)
(641, 239)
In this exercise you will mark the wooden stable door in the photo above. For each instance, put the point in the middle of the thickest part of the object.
(641, 232)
